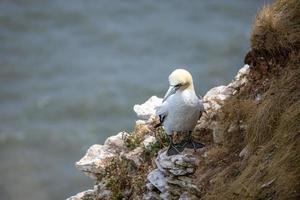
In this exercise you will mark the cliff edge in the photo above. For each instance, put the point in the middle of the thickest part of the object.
(251, 130)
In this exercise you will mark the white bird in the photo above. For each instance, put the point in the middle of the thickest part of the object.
(180, 110)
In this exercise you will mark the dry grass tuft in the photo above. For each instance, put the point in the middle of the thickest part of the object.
(277, 27)
(124, 180)
(135, 138)
(234, 115)
(272, 171)
(283, 93)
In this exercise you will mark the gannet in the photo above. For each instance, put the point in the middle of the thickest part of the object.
(180, 110)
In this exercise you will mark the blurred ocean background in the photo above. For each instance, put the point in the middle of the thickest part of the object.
(71, 71)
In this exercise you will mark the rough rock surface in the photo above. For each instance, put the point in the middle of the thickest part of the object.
(148, 141)
(172, 177)
(147, 109)
(81, 195)
(157, 180)
(178, 165)
(214, 100)
(134, 156)
(98, 192)
(97, 156)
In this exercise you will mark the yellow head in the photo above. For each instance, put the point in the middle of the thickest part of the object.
(179, 79)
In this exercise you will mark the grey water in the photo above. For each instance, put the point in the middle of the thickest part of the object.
(71, 71)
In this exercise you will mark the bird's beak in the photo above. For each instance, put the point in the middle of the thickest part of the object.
(172, 89)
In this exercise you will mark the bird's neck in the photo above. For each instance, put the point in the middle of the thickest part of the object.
(189, 89)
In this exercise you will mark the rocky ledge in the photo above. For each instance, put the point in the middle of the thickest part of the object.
(144, 157)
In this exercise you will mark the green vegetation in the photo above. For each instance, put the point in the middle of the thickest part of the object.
(161, 142)
(123, 178)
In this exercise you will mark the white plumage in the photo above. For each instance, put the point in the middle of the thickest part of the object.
(181, 108)
(182, 111)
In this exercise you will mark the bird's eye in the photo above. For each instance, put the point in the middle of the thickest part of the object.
(178, 85)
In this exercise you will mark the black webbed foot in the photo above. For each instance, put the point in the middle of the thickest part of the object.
(191, 144)
(174, 150)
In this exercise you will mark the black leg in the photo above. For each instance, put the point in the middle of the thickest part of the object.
(191, 140)
(173, 149)
(191, 144)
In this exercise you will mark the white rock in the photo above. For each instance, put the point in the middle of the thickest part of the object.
(185, 183)
(158, 179)
(240, 78)
(99, 192)
(218, 94)
(149, 186)
(215, 99)
(151, 196)
(95, 160)
(97, 156)
(82, 195)
(245, 153)
(147, 109)
(135, 156)
(242, 72)
(165, 196)
(178, 165)
(116, 142)
(180, 172)
(148, 141)
(139, 122)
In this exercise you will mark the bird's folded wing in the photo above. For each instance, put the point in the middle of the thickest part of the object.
(162, 111)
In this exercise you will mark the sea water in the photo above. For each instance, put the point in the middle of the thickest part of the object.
(71, 71)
